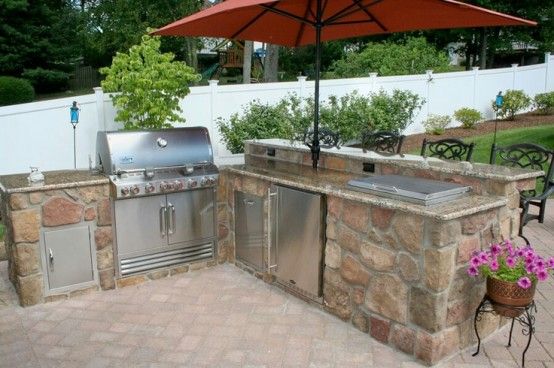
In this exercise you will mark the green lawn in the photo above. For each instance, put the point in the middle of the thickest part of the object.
(542, 135)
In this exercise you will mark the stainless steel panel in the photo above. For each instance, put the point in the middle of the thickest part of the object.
(129, 150)
(299, 234)
(140, 224)
(410, 189)
(249, 229)
(68, 256)
(191, 215)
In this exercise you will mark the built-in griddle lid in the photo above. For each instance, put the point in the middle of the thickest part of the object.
(409, 188)
(129, 150)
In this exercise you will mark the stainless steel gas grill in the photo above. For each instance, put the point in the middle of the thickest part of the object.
(163, 193)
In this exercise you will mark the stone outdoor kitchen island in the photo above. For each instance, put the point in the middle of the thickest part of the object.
(393, 269)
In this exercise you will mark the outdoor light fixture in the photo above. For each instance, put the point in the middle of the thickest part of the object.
(498, 102)
(74, 120)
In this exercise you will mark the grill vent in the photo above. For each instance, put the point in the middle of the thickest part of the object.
(129, 266)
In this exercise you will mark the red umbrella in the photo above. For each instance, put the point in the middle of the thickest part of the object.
(304, 22)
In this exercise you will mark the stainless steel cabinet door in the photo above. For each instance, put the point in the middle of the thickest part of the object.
(68, 257)
(298, 236)
(147, 215)
(249, 228)
(191, 215)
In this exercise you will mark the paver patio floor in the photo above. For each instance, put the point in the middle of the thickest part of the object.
(224, 317)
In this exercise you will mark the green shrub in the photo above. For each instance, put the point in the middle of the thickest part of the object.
(468, 117)
(393, 112)
(15, 91)
(258, 121)
(151, 85)
(436, 124)
(514, 101)
(46, 81)
(544, 103)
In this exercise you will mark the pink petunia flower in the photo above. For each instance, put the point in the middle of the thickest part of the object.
(542, 274)
(520, 252)
(475, 261)
(540, 263)
(510, 262)
(494, 265)
(551, 262)
(472, 271)
(483, 256)
(496, 249)
(524, 282)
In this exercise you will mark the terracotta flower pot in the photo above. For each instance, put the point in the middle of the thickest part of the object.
(509, 294)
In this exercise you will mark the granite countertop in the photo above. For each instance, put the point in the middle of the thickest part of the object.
(18, 183)
(478, 170)
(333, 182)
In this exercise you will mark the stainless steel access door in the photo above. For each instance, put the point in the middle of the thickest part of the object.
(249, 229)
(190, 215)
(297, 225)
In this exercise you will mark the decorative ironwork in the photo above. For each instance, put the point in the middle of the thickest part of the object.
(448, 149)
(326, 137)
(529, 156)
(382, 141)
(525, 318)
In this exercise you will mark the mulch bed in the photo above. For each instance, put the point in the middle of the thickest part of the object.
(412, 142)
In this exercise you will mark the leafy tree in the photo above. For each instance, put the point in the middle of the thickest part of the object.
(115, 25)
(39, 33)
(413, 56)
(151, 85)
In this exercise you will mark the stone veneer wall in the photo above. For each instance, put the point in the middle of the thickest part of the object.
(402, 278)
(25, 214)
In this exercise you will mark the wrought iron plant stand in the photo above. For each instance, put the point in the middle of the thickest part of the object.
(524, 315)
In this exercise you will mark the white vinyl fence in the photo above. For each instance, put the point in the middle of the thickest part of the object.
(39, 133)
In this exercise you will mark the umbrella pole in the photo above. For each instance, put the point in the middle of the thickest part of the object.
(315, 144)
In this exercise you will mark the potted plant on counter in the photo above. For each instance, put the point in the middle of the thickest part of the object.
(512, 274)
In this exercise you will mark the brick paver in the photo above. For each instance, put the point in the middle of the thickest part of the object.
(224, 317)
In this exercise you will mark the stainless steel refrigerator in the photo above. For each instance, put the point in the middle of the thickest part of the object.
(296, 235)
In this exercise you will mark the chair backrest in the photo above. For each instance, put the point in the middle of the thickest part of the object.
(326, 137)
(382, 141)
(449, 149)
(527, 156)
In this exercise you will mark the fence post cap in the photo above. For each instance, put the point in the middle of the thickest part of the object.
(213, 82)
(301, 78)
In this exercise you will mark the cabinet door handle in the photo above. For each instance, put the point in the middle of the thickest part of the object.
(51, 259)
(248, 202)
(269, 231)
(171, 221)
(163, 211)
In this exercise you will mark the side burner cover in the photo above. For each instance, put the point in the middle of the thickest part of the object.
(410, 189)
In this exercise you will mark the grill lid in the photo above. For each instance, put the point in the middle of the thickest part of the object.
(410, 189)
(122, 151)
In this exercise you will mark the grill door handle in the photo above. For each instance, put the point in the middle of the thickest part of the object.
(171, 220)
(51, 259)
(163, 211)
(270, 195)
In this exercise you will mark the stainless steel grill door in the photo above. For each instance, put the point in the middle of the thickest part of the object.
(145, 214)
(190, 215)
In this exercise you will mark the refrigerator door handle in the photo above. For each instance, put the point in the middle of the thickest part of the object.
(269, 231)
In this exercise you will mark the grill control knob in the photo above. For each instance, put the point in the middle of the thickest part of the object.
(205, 181)
(149, 188)
(191, 183)
(125, 191)
(135, 190)
(178, 185)
(212, 180)
(164, 186)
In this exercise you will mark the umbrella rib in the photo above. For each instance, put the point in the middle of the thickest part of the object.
(350, 9)
(303, 25)
(252, 21)
(371, 17)
(286, 14)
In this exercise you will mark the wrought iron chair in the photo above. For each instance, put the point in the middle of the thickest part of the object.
(531, 156)
(449, 149)
(327, 138)
(382, 141)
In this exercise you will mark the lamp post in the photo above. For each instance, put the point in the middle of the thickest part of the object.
(499, 101)
(74, 120)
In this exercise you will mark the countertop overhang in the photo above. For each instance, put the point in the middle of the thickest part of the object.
(18, 183)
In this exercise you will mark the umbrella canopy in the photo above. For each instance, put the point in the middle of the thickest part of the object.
(305, 22)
